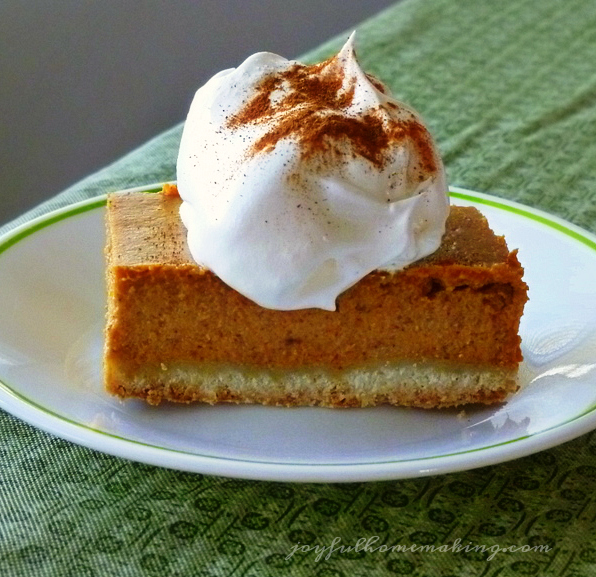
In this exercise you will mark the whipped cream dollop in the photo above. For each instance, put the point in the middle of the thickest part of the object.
(299, 180)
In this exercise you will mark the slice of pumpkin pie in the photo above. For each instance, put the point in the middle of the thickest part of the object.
(308, 256)
(441, 332)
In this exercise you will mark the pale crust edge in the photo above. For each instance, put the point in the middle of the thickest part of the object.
(423, 385)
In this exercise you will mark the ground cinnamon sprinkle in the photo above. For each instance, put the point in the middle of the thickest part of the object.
(312, 111)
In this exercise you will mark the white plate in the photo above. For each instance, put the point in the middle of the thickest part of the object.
(52, 306)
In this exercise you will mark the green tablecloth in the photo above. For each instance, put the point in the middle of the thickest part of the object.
(509, 90)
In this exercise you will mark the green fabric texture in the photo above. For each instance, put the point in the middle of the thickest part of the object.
(508, 88)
